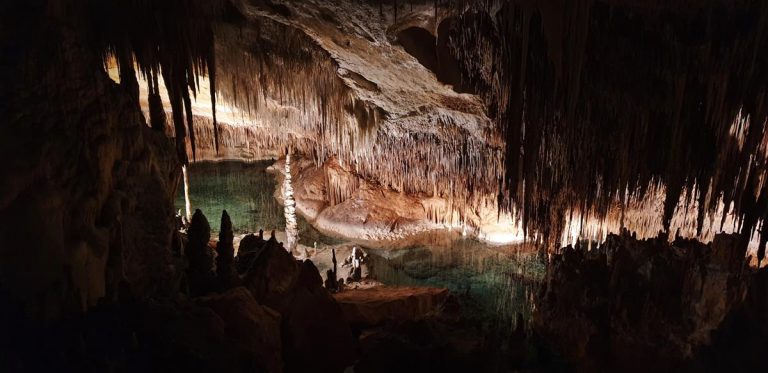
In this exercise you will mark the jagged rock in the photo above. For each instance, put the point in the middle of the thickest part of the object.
(249, 249)
(200, 255)
(225, 254)
(253, 327)
(642, 303)
(315, 334)
(270, 273)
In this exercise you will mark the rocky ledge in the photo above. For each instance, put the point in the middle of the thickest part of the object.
(374, 306)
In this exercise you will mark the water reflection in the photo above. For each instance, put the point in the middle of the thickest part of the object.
(493, 282)
(246, 191)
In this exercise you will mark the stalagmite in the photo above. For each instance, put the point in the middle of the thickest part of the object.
(200, 256)
(225, 254)
(291, 226)
(187, 204)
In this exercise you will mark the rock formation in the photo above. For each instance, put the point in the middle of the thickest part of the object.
(202, 270)
(601, 101)
(86, 191)
(225, 254)
(557, 117)
(316, 336)
(374, 306)
(632, 303)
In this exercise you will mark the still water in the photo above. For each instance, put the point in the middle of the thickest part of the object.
(493, 282)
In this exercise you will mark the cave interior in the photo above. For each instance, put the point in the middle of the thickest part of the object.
(378, 186)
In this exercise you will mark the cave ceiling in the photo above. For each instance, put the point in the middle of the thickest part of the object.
(552, 110)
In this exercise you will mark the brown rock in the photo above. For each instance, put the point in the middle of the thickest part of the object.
(225, 250)
(315, 334)
(255, 328)
(640, 303)
(373, 306)
(200, 256)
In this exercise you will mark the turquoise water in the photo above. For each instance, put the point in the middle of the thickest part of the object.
(492, 282)
(246, 191)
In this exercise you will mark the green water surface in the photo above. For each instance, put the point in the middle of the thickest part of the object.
(492, 283)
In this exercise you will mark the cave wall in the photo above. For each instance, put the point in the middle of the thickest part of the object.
(86, 187)
(650, 304)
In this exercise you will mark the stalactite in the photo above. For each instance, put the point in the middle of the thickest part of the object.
(174, 37)
(157, 116)
(190, 122)
(593, 121)
(597, 98)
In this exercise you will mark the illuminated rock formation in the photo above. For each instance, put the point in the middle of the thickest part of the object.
(367, 87)
(320, 96)
(289, 207)
(602, 101)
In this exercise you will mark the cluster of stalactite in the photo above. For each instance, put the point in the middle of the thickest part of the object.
(169, 38)
(252, 141)
(341, 185)
(276, 75)
(643, 218)
(603, 101)
(291, 90)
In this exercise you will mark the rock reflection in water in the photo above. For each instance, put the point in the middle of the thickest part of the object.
(492, 282)
(245, 190)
